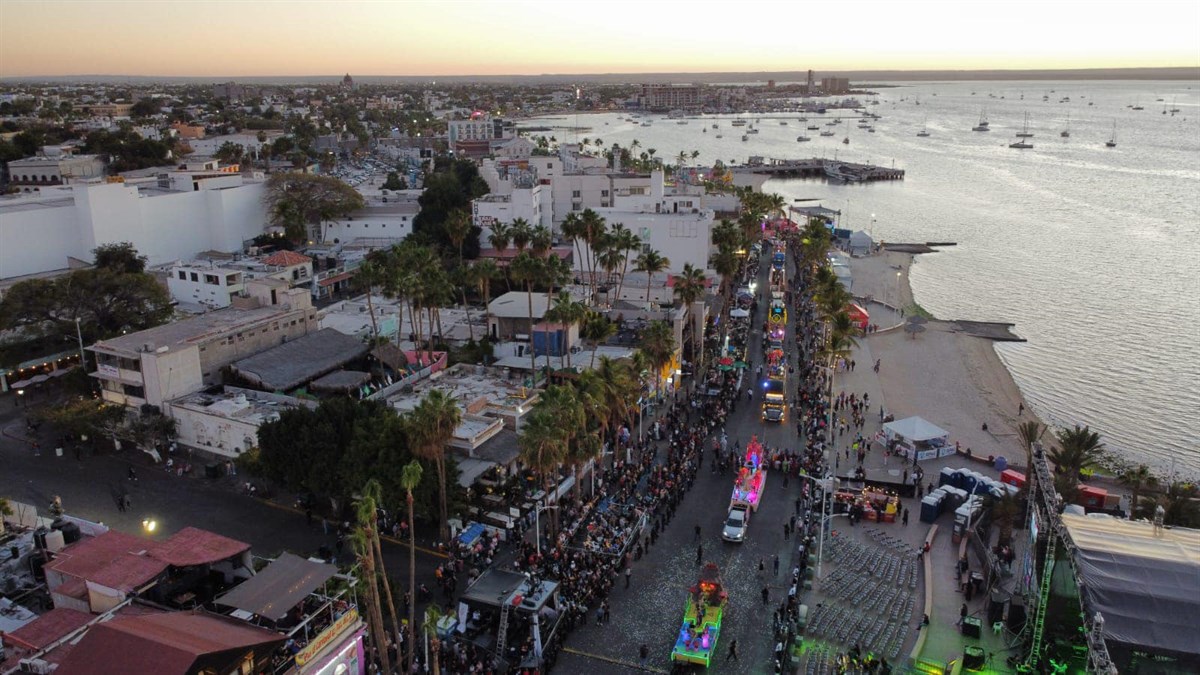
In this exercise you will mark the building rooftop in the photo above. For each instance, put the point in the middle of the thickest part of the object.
(294, 363)
(286, 259)
(477, 392)
(245, 405)
(194, 330)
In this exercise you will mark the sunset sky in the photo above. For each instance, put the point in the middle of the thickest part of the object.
(215, 38)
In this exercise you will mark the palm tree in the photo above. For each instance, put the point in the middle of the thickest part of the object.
(650, 262)
(542, 449)
(617, 389)
(484, 271)
(610, 259)
(362, 550)
(689, 288)
(593, 227)
(1030, 433)
(1138, 480)
(369, 275)
(541, 240)
(569, 312)
(1180, 505)
(500, 237)
(562, 404)
(432, 425)
(556, 272)
(572, 228)
(1005, 512)
(409, 480)
(433, 615)
(623, 239)
(1077, 448)
(658, 344)
(457, 226)
(596, 329)
(521, 232)
(368, 518)
(526, 269)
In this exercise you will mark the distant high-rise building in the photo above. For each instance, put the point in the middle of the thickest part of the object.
(811, 82)
(670, 96)
(835, 85)
(347, 82)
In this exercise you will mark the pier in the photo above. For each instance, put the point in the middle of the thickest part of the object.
(833, 169)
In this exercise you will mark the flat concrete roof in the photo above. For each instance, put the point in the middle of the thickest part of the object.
(195, 330)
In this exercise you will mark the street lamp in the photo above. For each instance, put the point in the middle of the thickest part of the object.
(897, 290)
(537, 523)
(79, 335)
(149, 525)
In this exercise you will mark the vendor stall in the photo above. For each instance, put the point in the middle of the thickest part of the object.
(914, 435)
(697, 639)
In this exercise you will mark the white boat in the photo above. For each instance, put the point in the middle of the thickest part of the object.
(924, 132)
(745, 137)
(983, 123)
(840, 172)
(752, 131)
(802, 139)
(720, 136)
(813, 127)
(1021, 145)
(1024, 132)
(783, 123)
(681, 122)
(716, 126)
(1112, 142)
(1066, 133)
(827, 133)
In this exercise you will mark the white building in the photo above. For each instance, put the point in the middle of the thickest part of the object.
(226, 423)
(204, 284)
(383, 221)
(34, 173)
(210, 144)
(39, 233)
(532, 204)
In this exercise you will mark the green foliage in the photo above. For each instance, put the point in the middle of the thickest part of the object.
(121, 258)
(88, 416)
(126, 150)
(335, 448)
(297, 200)
(146, 107)
(394, 182)
(451, 186)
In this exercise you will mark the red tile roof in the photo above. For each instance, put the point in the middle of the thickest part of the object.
(286, 259)
(193, 546)
(163, 644)
(113, 559)
(48, 627)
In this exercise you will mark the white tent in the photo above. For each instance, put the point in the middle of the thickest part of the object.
(739, 313)
(860, 242)
(915, 430)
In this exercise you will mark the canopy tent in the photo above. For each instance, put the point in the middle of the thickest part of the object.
(1144, 581)
(860, 242)
(273, 592)
(915, 429)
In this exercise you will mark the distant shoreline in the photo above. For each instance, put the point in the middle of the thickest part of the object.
(1180, 73)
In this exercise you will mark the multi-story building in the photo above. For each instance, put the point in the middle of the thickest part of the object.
(166, 362)
(44, 231)
(477, 135)
(670, 96)
(34, 173)
(376, 222)
(215, 284)
(835, 85)
(105, 109)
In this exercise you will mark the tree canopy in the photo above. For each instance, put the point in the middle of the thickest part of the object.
(127, 151)
(451, 187)
(297, 200)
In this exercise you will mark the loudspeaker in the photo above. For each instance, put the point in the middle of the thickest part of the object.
(973, 658)
(1016, 617)
(972, 627)
(995, 611)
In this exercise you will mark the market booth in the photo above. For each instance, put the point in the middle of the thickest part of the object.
(915, 435)
(858, 315)
(873, 505)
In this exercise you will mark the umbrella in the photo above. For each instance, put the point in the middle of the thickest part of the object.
(917, 319)
(913, 329)
(726, 361)
(740, 364)
(724, 368)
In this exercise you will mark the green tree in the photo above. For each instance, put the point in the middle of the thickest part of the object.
(431, 426)
(569, 312)
(658, 344)
(689, 289)
(1077, 448)
(651, 262)
(595, 329)
(1180, 504)
(543, 449)
(369, 276)
(298, 201)
(409, 480)
(452, 185)
(1138, 480)
(230, 153)
(394, 182)
(526, 269)
(122, 258)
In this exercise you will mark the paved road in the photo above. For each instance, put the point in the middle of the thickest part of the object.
(650, 611)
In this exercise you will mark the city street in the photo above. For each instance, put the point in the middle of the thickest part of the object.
(650, 611)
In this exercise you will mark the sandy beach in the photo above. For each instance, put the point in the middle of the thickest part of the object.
(950, 378)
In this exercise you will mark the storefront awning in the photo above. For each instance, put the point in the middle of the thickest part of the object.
(281, 586)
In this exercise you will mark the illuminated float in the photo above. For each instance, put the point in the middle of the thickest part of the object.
(752, 477)
(697, 639)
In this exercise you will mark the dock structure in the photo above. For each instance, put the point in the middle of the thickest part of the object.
(833, 169)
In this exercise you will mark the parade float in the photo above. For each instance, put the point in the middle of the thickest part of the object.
(752, 477)
(697, 640)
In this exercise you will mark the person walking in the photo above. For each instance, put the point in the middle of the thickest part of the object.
(697, 535)
(962, 615)
(766, 594)
(700, 554)
(775, 563)
(905, 516)
(732, 655)
(644, 654)
(628, 574)
(604, 606)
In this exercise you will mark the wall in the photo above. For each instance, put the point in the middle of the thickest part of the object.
(683, 238)
(389, 226)
(213, 433)
(174, 226)
(171, 374)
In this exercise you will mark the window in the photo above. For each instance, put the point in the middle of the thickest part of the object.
(182, 275)
(212, 279)
(575, 194)
(604, 193)
(577, 207)
(133, 390)
(195, 277)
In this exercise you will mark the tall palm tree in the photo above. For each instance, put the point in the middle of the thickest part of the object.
(457, 226)
(409, 480)
(1030, 433)
(658, 344)
(433, 615)
(1077, 447)
(594, 230)
(540, 240)
(362, 550)
(569, 312)
(543, 450)
(485, 271)
(617, 389)
(572, 228)
(689, 288)
(624, 240)
(368, 276)
(610, 259)
(368, 518)
(1005, 512)
(651, 262)
(526, 269)
(1180, 505)
(432, 425)
(1138, 480)
(556, 272)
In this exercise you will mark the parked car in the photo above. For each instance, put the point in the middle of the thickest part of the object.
(736, 523)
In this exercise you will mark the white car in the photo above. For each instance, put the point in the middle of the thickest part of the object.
(736, 523)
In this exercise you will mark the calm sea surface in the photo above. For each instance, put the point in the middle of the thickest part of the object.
(1093, 252)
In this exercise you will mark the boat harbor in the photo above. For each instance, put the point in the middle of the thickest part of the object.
(816, 167)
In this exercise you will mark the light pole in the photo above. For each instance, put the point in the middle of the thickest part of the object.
(79, 335)
(537, 527)
(898, 291)
(826, 485)
(821, 542)
(872, 228)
